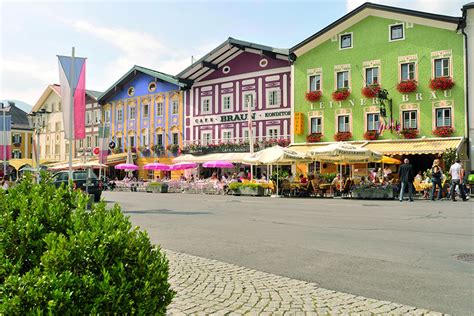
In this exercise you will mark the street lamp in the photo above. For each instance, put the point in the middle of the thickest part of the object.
(37, 121)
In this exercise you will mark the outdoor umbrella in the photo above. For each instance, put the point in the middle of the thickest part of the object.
(126, 166)
(183, 166)
(344, 153)
(218, 164)
(157, 166)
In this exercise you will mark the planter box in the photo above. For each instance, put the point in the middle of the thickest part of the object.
(258, 191)
(374, 193)
(163, 188)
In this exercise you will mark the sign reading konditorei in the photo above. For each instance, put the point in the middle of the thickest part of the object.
(242, 117)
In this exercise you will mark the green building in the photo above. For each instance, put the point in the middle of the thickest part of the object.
(389, 79)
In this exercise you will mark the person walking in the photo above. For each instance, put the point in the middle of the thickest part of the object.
(456, 177)
(406, 176)
(436, 174)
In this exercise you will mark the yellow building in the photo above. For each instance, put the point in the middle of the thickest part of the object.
(21, 132)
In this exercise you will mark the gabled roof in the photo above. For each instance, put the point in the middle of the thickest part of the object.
(92, 94)
(371, 9)
(19, 117)
(131, 74)
(223, 54)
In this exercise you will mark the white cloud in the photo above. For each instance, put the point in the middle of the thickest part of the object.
(433, 6)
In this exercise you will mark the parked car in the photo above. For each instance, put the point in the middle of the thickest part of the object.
(79, 179)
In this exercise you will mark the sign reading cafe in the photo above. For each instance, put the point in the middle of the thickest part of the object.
(242, 117)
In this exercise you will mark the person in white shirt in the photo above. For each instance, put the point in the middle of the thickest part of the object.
(456, 180)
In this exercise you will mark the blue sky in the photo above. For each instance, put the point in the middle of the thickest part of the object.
(163, 35)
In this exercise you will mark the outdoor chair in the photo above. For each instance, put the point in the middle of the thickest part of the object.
(286, 188)
(346, 189)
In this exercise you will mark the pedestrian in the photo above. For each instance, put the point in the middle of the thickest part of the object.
(406, 176)
(456, 179)
(436, 174)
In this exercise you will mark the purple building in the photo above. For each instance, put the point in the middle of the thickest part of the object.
(221, 85)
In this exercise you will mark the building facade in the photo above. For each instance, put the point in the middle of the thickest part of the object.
(144, 110)
(222, 84)
(415, 59)
(21, 132)
(53, 146)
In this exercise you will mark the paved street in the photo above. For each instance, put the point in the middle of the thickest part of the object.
(385, 250)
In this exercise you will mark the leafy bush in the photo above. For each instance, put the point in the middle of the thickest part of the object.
(59, 258)
(235, 185)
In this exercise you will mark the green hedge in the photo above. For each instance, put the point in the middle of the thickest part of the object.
(59, 258)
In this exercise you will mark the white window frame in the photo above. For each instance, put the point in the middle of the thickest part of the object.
(311, 125)
(159, 109)
(174, 107)
(96, 116)
(229, 139)
(107, 116)
(340, 41)
(231, 102)
(449, 67)
(146, 114)
(245, 130)
(376, 127)
(414, 70)
(320, 82)
(16, 154)
(390, 32)
(96, 141)
(348, 123)
(270, 128)
(88, 141)
(120, 115)
(365, 75)
(271, 91)
(204, 140)
(88, 117)
(133, 110)
(204, 99)
(254, 99)
(416, 119)
(450, 116)
(348, 79)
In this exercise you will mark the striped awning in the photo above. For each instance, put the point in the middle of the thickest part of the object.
(418, 146)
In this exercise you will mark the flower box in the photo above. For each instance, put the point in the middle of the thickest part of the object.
(252, 189)
(407, 86)
(442, 83)
(409, 133)
(313, 96)
(374, 192)
(342, 136)
(341, 94)
(157, 187)
(371, 135)
(371, 90)
(443, 131)
(314, 137)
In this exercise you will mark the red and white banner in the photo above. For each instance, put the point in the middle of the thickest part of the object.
(5, 137)
(103, 144)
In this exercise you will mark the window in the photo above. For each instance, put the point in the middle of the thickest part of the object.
(67, 148)
(145, 111)
(316, 125)
(152, 86)
(119, 143)
(396, 32)
(227, 103)
(407, 71)
(88, 117)
(57, 150)
(120, 115)
(96, 140)
(273, 98)
(346, 41)
(206, 138)
(175, 138)
(206, 105)
(315, 83)
(145, 139)
(16, 139)
(16, 154)
(107, 116)
(133, 113)
(159, 140)
(174, 107)
(53, 107)
(373, 122)
(57, 126)
(372, 75)
(441, 67)
(272, 133)
(410, 120)
(88, 141)
(59, 107)
(131, 91)
(342, 79)
(132, 141)
(227, 136)
(248, 98)
(159, 109)
(343, 123)
(443, 117)
(97, 116)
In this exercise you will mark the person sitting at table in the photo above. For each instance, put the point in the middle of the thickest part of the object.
(303, 179)
(182, 177)
(336, 183)
(419, 176)
(191, 178)
(213, 176)
(364, 181)
(264, 177)
(290, 177)
(387, 173)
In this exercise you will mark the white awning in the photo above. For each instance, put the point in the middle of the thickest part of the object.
(231, 157)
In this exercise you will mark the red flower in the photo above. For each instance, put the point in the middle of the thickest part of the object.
(313, 96)
(407, 86)
(371, 135)
(371, 90)
(341, 94)
(442, 83)
(342, 136)
(314, 137)
(409, 132)
(443, 131)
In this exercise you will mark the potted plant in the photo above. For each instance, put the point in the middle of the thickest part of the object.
(442, 83)
(342, 136)
(314, 137)
(145, 151)
(443, 131)
(313, 96)
(157, 187)
(371, 90)
(407, 86)
(173, 148)
(409, 132)
(158, 149)
(253, 189)
(371, 135)
(341, 94)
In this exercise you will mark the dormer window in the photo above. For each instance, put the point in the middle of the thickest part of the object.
(345, 41)
(397, 32)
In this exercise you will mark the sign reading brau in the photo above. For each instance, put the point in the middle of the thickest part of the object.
(432, 95)
(242, 117)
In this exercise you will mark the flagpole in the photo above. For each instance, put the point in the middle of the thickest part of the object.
(249, 114)
(4, 142)
(71, 111)
(101, 141)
